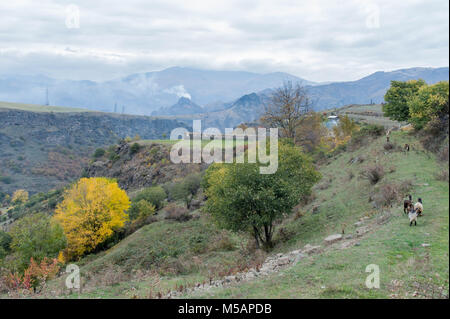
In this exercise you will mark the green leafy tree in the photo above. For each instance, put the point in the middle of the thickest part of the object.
(429, 102)
(35, 236)
(396, 107)
(186, 189)
(240, 198)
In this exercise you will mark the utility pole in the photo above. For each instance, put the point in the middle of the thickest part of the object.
(115, 107)
(47, 103)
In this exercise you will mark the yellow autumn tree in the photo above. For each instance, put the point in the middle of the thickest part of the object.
(90, 213)
(20, 196)
(344, 130)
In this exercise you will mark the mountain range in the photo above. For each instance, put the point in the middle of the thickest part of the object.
(141, 93)
(216, 96)
(370, 88)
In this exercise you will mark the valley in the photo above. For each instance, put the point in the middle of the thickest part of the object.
(46, 147)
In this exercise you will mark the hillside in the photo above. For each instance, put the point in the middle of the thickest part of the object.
(413, 261)
(44, 147)
(177, 256)
(149, 166)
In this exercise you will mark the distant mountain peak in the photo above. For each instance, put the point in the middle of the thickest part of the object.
(185, 100)
(182, 107)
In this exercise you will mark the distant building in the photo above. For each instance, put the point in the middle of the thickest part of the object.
(332, 120)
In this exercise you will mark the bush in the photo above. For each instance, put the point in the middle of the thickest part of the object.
(20, 196)
(442, 176)
(153, 195)
(2, 197)
(434, 137)
(35, 236)
(99, 152)
(141, 210)
(5, 179)
(222, 242)
(372, 130)
(34, 276)
(360, 138)
(113, 157)
(186, 189)
(392, 193)
(443, 154)
(134, 148)
(198, 243)
(180, 214)
(5, 243)
(373, 173)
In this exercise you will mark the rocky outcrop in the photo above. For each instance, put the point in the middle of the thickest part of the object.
(149, 166)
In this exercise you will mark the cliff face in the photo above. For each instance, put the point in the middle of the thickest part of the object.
(149, 166)
(43, 150)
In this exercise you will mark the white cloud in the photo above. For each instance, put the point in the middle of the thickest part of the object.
(319, 40)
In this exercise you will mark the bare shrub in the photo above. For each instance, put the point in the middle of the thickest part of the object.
(285, 234)
(443, 154)
(389, 146)
(309, 199)
(223, 242)
(325, 185)
(373, 173)
(435, 133)
(108, 276)
(247, 248)
(442, 176)
(298, 214)
(391, 193)
(406, 185)
(180, 214)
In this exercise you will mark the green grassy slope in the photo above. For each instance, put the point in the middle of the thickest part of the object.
(158, 258)
(167, 254)
(406, 267)
(40, 108)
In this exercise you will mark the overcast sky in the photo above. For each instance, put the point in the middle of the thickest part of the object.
(318, 40)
